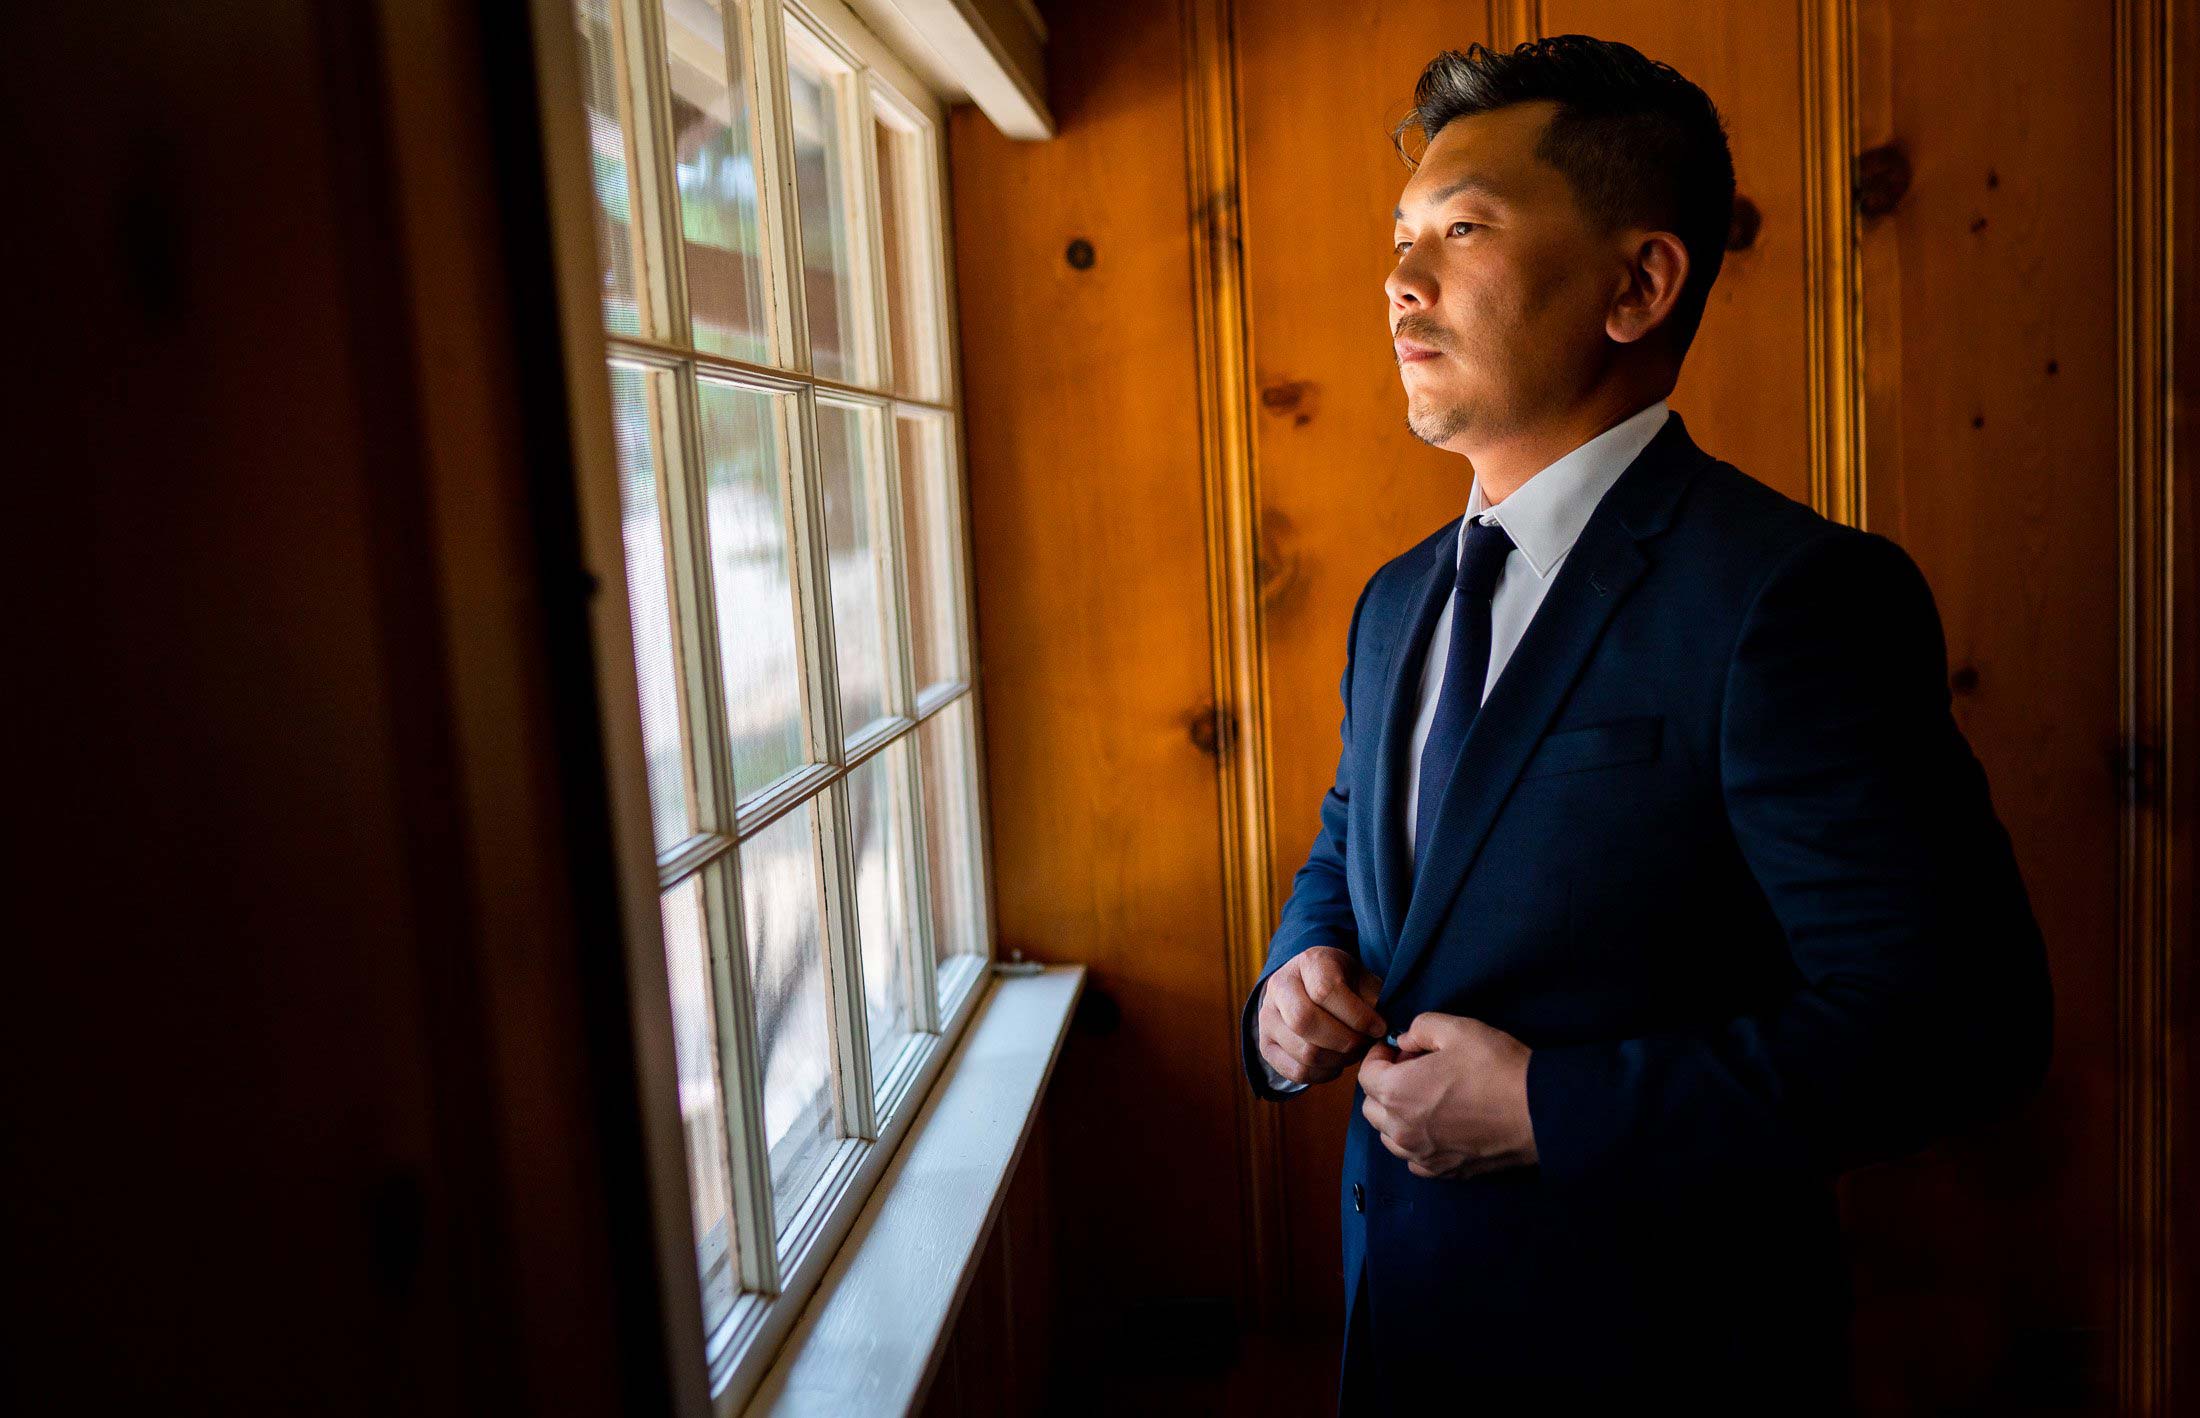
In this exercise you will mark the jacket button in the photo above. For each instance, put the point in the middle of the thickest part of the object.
(1359, 1198)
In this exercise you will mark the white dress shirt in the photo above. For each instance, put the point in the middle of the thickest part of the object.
(1543, 516)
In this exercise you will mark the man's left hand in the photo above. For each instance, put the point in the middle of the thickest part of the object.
(1452, 1098)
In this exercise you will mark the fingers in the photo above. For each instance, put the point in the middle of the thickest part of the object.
(1330, 984)
(1295, 1058)
(1395, 1139)
(1475, 1167)
(1422, 1161)
(1403, 1138)
(1286, 1066)
(1411, 1144)
(1306, 1018)
(1369, 987)
(1379, 1060)
(1429, 1032)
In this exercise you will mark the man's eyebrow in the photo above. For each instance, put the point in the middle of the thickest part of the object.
(1472, 182)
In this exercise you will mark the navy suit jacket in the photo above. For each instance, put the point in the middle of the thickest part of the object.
(1717, 852)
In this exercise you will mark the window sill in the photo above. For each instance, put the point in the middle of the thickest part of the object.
(871, 1336)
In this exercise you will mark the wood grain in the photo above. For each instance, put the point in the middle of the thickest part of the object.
(1089, 546)
(1985, 1269)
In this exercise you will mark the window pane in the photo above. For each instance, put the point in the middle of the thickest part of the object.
(618, 230)
(702, 1106)
(782, 915)
(882, 863)
(822, 176)
(714, 163)
(847, 455)
(947, 754)
(752, 581)
(930, 534)
(639, 400)
(904, 179)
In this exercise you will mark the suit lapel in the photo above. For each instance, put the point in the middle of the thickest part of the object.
(1603, 566)
(1401, 702)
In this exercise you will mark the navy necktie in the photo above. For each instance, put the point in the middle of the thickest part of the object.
(1466, 666)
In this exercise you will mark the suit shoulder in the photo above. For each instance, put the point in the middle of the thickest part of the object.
(1783, 526)
(1752, 530)
(1406, 569)
(1783, 558)
(1728, 503)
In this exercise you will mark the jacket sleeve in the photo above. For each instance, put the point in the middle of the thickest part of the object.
(1319, 911)
(1922, 1003)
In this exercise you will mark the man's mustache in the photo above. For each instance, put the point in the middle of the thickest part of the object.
(1422, 331)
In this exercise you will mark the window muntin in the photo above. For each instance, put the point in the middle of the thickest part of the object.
(788, 457)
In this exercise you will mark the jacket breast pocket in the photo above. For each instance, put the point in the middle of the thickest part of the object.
(1604, 745)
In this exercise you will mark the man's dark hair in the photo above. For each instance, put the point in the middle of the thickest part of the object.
(1640, 145)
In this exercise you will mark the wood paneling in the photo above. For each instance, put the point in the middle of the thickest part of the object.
(1968, 405)
(1343, 485)
(1986, 1268)
(2174, 704)
(1744, 387)
(1083, 429)
(1002, 1353)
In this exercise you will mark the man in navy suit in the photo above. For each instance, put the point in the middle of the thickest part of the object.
(1652, 836)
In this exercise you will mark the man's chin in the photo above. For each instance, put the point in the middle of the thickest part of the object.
(1434, 426)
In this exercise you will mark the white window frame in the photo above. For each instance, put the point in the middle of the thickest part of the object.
(780, 1260)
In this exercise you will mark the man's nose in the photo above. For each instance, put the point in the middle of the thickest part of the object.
(1408, 285)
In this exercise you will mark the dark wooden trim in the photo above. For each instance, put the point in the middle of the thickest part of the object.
(2152, 898)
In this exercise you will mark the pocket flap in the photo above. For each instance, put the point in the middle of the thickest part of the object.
(1597, 746)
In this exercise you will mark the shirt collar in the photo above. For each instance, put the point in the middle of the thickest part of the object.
(1545, 514)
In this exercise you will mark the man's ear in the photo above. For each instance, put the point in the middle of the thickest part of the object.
(1656, 272)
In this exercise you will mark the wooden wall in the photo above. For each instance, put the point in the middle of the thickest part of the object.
(1939, 316)
(1083, 437)
(1987, 1270)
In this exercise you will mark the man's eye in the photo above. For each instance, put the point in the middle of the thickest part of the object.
(1402, 247)
(1462, 228)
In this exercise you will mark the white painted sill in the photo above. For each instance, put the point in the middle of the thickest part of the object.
(871, 1336)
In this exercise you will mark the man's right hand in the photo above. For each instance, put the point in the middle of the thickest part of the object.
(1317, 1014)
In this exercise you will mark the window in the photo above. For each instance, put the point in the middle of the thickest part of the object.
(770, 231)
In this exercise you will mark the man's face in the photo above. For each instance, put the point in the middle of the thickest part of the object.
(1498, 302)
